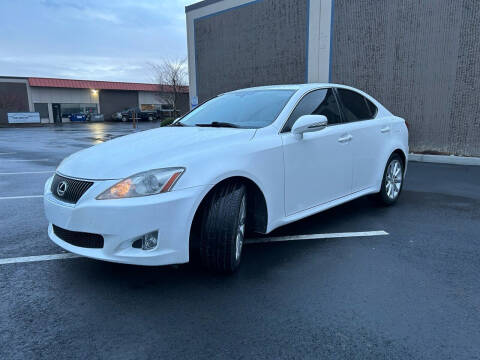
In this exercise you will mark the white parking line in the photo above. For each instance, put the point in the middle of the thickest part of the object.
(20, 197)
(317, 236)
(38, 258)
(7, 153)
(249, 241)
(28, 172)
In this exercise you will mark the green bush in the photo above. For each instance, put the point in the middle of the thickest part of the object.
(167, 121)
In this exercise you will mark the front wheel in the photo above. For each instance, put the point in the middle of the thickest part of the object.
(392, 182)
(223, 228)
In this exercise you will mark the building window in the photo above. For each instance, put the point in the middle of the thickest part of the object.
(41, 108)
(69, 109)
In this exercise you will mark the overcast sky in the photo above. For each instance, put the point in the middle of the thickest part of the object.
(111, 40)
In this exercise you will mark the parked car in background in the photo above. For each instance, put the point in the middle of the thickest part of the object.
(127, 115)
(81, 116)
(78, 117)
(250, 160)
(93, 117)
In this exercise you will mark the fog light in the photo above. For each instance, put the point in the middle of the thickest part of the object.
(149, 241)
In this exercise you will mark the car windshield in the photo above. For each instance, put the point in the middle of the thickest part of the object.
(242, 109)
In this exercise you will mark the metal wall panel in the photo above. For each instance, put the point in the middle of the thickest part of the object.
(259, 43)
(116, 100)
(183, 104)
(42, 109)
(421, 60)
(13, 98)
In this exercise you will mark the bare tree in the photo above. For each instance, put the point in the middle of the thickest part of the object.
(171, 75)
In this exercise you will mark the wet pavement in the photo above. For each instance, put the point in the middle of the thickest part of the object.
(414, 293)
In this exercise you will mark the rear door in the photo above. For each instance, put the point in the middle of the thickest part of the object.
(369, 134)
(318, 167)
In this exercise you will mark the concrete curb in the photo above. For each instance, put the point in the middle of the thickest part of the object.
(445, 159)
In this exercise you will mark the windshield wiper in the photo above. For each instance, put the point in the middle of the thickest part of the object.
(219, 124)
(178, 123)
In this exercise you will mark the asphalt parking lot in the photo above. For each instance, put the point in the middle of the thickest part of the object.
(414, 293)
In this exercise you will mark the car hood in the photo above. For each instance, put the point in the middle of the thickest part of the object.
(146, 150)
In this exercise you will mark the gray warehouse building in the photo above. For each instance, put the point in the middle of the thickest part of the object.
(421, 59)
(55, 99)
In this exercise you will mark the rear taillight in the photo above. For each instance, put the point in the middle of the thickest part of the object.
(408, 126)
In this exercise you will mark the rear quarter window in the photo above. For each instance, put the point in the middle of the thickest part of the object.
(355, 106)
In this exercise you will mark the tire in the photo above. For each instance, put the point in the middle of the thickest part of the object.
(392, 181)
(124, 119)
(150, 118)
(222, 228)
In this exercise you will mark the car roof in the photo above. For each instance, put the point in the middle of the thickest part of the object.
(304, 88)
(295, 87)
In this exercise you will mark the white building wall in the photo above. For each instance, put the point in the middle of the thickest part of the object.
(63, 95)
(148, 97)
(319, 37)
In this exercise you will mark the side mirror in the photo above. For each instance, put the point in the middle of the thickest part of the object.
(309, 123)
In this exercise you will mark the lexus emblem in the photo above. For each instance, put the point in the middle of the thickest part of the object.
(61, 188)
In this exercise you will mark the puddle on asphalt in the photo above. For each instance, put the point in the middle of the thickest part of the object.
(103, 138)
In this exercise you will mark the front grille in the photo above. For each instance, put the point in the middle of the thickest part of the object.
(74, 188)
(80, 239)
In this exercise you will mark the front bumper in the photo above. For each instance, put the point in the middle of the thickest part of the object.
(123, 221)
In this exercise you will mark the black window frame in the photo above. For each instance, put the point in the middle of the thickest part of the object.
(342, 106)
(340, 109)
(374, 113)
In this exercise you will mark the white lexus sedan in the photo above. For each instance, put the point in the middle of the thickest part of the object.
(246, 161)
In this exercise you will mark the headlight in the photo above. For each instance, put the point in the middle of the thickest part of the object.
(143, 184)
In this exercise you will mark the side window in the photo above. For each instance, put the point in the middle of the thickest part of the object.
(318, 102)
(355, 106)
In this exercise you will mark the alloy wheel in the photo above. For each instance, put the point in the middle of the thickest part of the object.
(242, 214)
(393, 179)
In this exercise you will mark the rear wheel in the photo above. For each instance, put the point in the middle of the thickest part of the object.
(222, 229)
(124, 119)
(392, 182)
(150, 118)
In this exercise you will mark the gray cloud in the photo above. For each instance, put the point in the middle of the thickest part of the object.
(103, 39)
(61, 4)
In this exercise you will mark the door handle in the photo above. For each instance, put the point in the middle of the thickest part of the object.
(345, 138)
(385, 129)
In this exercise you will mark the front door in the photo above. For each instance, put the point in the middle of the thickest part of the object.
(318, 167)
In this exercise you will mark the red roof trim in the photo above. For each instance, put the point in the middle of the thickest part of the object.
(100, 85)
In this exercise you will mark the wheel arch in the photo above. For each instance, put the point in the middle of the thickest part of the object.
(383, 163)
(402, 155)
(257, 211)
